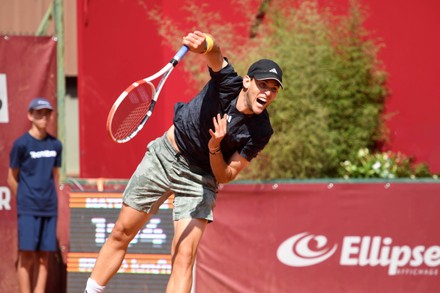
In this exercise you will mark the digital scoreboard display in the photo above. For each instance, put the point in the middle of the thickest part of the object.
(147, 264)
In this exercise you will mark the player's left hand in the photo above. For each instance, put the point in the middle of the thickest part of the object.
(219, 132)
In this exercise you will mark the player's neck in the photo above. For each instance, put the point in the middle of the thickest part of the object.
(242, 104)
(38, 133)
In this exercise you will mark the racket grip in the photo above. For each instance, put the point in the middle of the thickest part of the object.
(182, 51)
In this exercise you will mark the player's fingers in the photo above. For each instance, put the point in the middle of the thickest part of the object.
(195, 41)
(225, 118)
(223, 122)
(200, 34)
(215, 122)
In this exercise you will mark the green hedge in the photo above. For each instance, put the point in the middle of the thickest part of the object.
(334, 97)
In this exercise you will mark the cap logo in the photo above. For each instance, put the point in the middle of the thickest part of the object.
(40, 103)
(273, 70)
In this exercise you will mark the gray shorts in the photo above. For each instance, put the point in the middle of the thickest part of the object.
(162, 172)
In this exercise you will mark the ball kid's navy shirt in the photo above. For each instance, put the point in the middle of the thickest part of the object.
(36, 193)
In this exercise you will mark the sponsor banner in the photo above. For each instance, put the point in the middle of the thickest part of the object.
(27, 70)
(132, 264)
(4, 112)
(380, 237)
(107, 200)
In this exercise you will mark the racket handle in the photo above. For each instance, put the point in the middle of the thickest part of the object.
(179, 55)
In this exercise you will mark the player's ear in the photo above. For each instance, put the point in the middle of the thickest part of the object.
(246, 82)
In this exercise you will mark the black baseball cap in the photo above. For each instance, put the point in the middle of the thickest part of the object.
(40, 103)
(266, 69)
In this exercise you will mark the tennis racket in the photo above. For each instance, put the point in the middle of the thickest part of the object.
(135, 105)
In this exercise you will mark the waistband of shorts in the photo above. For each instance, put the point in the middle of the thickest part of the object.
(169, 147)
(167, 144)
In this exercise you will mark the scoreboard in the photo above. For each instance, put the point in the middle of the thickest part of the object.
(147, 264)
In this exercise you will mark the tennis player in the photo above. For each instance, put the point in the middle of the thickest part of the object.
(212, 139)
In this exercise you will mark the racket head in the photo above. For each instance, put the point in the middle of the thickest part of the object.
(130, 111)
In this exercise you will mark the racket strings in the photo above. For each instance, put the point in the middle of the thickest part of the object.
(132, 111)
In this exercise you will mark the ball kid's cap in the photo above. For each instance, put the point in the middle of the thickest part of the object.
(40, 103)
(266, 69)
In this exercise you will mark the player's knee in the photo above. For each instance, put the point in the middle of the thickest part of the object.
(120, 235)
(184, 257)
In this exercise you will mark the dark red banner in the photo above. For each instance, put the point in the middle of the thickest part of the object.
(27, 70)
(323, 238)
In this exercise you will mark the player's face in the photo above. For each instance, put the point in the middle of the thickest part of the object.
(40, 117)
(260, 94)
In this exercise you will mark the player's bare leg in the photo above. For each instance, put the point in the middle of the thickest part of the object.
(187, 236)
(112, 253)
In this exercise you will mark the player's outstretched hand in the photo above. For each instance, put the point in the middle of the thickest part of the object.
(219, 132)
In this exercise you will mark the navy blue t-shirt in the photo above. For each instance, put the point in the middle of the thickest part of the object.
(247, 134)
(36, 193)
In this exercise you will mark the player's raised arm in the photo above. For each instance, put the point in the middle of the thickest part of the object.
(204, 43)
